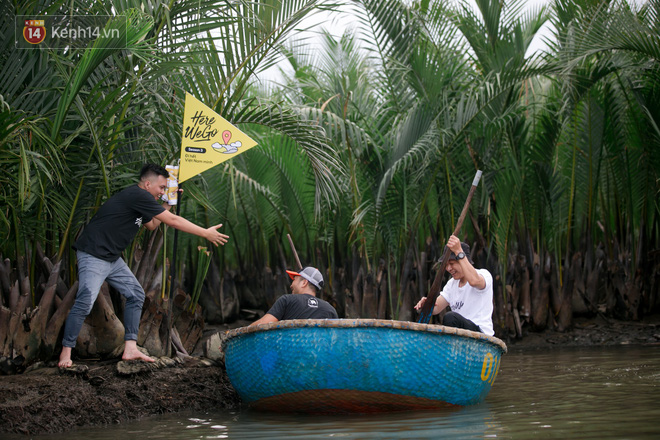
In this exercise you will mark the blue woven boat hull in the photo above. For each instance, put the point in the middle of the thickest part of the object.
(360, 365)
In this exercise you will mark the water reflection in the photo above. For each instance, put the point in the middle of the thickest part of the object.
(588, 394)
(458, 423)
(580, 393)
(470, 422)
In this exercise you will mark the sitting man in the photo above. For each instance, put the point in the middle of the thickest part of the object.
(303, 304)
(469, 293)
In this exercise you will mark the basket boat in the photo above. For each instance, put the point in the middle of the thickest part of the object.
(359, 365)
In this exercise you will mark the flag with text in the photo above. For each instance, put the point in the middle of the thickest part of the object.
(208, 139)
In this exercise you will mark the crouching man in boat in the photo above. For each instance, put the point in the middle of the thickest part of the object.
(303, 304)
(469, 292)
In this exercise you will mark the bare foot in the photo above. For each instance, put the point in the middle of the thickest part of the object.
(132, 353)
(65, 358)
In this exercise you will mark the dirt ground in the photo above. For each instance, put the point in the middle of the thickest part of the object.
(589, 332)
(47, 400)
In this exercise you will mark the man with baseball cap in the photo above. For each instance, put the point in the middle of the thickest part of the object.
(469, 292)
(303, 304)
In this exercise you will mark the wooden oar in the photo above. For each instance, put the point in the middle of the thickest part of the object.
(295, 254)
(427, 308)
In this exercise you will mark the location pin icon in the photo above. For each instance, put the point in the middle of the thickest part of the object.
(226, 136)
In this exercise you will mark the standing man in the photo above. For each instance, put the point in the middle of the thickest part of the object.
(99, 250)
(469, 293)
(303, 304)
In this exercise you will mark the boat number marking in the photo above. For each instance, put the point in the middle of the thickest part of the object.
(489, 368)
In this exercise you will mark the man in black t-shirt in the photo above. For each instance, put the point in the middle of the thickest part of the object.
(303, 304)
(99, 250)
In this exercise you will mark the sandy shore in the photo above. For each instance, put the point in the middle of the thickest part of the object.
(47, 400)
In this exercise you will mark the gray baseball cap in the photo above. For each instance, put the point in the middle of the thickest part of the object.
(309, 273)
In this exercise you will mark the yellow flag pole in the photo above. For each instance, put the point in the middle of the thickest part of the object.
(207, 139)
(173, 273)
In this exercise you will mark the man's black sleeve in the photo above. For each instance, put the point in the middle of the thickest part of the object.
(279, 307)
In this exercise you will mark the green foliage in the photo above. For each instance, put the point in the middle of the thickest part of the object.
(369, 146)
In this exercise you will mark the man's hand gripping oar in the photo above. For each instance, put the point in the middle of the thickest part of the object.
(429, 303)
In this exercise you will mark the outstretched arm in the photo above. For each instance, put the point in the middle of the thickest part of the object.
(440, 304)
(265, 320)
(180, 223)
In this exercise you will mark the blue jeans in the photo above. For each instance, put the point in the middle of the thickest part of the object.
(92, 272)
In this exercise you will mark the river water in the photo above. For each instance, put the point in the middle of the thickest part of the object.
(584, 393)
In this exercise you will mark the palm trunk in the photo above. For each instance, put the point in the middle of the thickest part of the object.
(102, 332)
(540, 293)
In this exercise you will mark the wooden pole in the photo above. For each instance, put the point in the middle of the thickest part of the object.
(295, 254)
(427, 308)
(179, 193)
(175, 242)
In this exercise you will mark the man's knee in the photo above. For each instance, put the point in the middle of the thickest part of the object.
(84, 301)
(126, 284)
(134, 294)
(451, 319)
(137, 293)
(86, 307)
(454, 319)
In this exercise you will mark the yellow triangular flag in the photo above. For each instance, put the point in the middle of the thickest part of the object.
(208, 139)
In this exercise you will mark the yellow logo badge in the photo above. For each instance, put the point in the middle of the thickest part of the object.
(34, 31)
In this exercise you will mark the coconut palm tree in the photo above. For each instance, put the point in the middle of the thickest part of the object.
(79, 122)
(606, 54)
(399, 120)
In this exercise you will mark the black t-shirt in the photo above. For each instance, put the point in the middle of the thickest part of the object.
(115, 224)
(302, 306)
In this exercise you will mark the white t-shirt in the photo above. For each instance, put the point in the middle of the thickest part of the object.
(472, 303)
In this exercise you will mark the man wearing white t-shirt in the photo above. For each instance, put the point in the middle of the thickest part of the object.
(469, 293)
